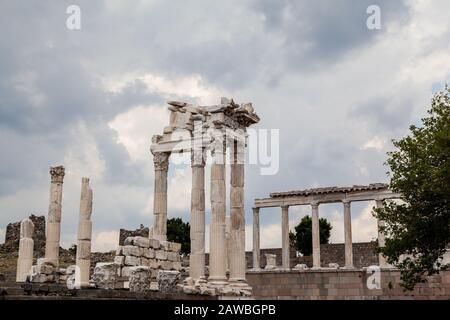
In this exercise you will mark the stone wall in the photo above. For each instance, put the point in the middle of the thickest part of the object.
(342, 284)
(140, 232)
(12, 236)
(364, 255)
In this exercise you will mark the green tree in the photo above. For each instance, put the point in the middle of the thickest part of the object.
(302, 237)
(419, 226)
(179, 231)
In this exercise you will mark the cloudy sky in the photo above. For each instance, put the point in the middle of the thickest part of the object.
(91, 99)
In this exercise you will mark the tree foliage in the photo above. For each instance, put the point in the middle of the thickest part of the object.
(302, 237)
(418, 229)
(179, 231)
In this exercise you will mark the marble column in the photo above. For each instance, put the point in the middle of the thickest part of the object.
(348, 235)
(285, 237)
(256, 243)
(161, 162)
(381, 240)
(197, 256)
(315, 235)
(237, 215)
(54, 216)
(26, 244)
(83, 258)
(217, 268)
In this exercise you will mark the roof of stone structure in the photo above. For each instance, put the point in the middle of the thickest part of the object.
(326, 190)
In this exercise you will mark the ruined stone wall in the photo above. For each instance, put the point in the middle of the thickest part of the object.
(12, 236)
(140, 232)
(342, 284)
(364, 255)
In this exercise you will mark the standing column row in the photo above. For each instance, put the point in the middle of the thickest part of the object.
(315, 235)
(237, 214)
(348, 235)
(54, 215)
(381, 238)
(161, 163)
(256, 243)
(197, 256)
(285, 237)
(217, 267)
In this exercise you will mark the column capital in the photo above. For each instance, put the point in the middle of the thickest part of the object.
(346, 203)
(315, 204)
(161, 161)
(198, 158)
(57, 174)
(285, 207)
(255, 209)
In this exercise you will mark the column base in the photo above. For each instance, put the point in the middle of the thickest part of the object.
(348, 267)
(217, 281)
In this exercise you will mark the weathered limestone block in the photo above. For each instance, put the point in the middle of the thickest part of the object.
(142, 242)
(164, 245)
(149, 253)
(154, 286)
(119, 251)
(145, 262)
(154, 264)
(129, 250)
(271, 261)
(173, 246)
(129, 241)
(43, 269)
(168, 280)
(173, 256)
(155, 244)
(120, 260)
(140, 279)
(26, 245)
(301, 266)
(105, 275)
(161, 255)
(125, 271)
(41, 278)
(46, 261)
(167, 265)
(333, 265)
(132, 261)
(176, 265)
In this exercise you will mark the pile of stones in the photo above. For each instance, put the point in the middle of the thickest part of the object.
(46, 272)
(142, 265)
(145, 252)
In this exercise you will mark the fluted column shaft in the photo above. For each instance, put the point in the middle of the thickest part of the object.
(315, 235)
(348, 235)
(285, 237)
(197, 256)
(161, 163)
(381, 237)
(54, 215)
(237, 214)
(83, 258)
(256, 236)
(217, 267)
(26, 245)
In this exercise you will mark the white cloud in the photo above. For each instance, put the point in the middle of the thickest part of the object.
(374, 143)
(181, 86)
(136, 127)
(105, 241)
(82, 158)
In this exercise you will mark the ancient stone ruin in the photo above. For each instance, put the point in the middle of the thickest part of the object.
(147, 265)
